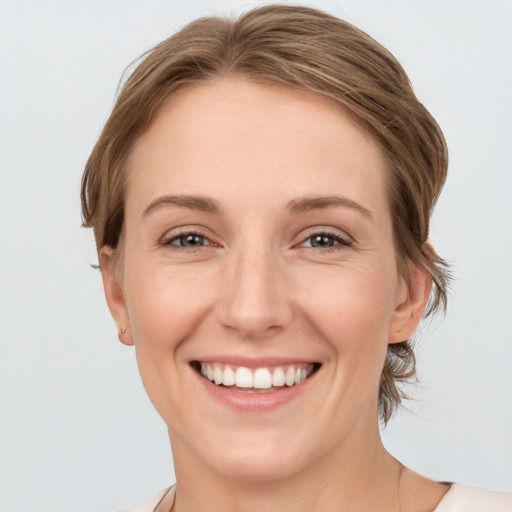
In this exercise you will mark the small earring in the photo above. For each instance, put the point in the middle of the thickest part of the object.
(121, 335)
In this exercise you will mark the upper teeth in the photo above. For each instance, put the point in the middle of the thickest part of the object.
(259, 378)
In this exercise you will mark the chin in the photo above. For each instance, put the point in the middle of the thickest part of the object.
(258, 469)
(259, 460)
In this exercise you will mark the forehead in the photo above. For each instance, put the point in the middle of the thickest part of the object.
(236, 136)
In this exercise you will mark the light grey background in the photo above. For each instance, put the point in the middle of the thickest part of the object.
(76, 430)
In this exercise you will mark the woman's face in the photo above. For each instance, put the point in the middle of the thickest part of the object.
(258, 250)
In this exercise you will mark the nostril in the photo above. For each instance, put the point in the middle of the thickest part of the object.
(252, 331)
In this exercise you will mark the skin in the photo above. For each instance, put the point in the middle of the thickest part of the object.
(254, 286)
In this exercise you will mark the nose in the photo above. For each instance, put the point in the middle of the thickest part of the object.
(255, 303)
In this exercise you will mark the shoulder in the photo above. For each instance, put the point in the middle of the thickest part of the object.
(462, 498)
(148, 504)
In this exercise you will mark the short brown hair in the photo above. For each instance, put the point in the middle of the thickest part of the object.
(302, 48)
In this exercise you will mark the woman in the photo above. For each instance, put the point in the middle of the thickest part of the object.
(260, 198)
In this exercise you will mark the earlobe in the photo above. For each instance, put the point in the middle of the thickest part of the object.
(114, 294)
(409, 311)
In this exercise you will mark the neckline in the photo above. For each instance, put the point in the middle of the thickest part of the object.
(167, 501)
(445, 497)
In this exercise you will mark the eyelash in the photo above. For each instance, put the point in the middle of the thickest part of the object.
(337, 241)
(183, 235)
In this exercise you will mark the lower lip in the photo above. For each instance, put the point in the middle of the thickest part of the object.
(257, 402)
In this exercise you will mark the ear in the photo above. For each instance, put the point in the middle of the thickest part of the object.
(413, 298)
(114, 293)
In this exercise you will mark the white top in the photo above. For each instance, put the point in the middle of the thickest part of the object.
(460, 498)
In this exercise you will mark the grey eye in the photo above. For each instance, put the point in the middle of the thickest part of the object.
(191, 240)
(322, 241)
(325, 241)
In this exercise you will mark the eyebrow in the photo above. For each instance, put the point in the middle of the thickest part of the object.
(209, 205)
(305, 204)
(199, 203)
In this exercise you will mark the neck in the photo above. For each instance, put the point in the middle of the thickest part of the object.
(356, 475)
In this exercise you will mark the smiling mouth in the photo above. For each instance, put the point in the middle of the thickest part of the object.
(255, 380)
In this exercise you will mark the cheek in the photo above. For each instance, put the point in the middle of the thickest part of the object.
(164, 307)
(356, 303)
(351, 312)
(165, 312)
